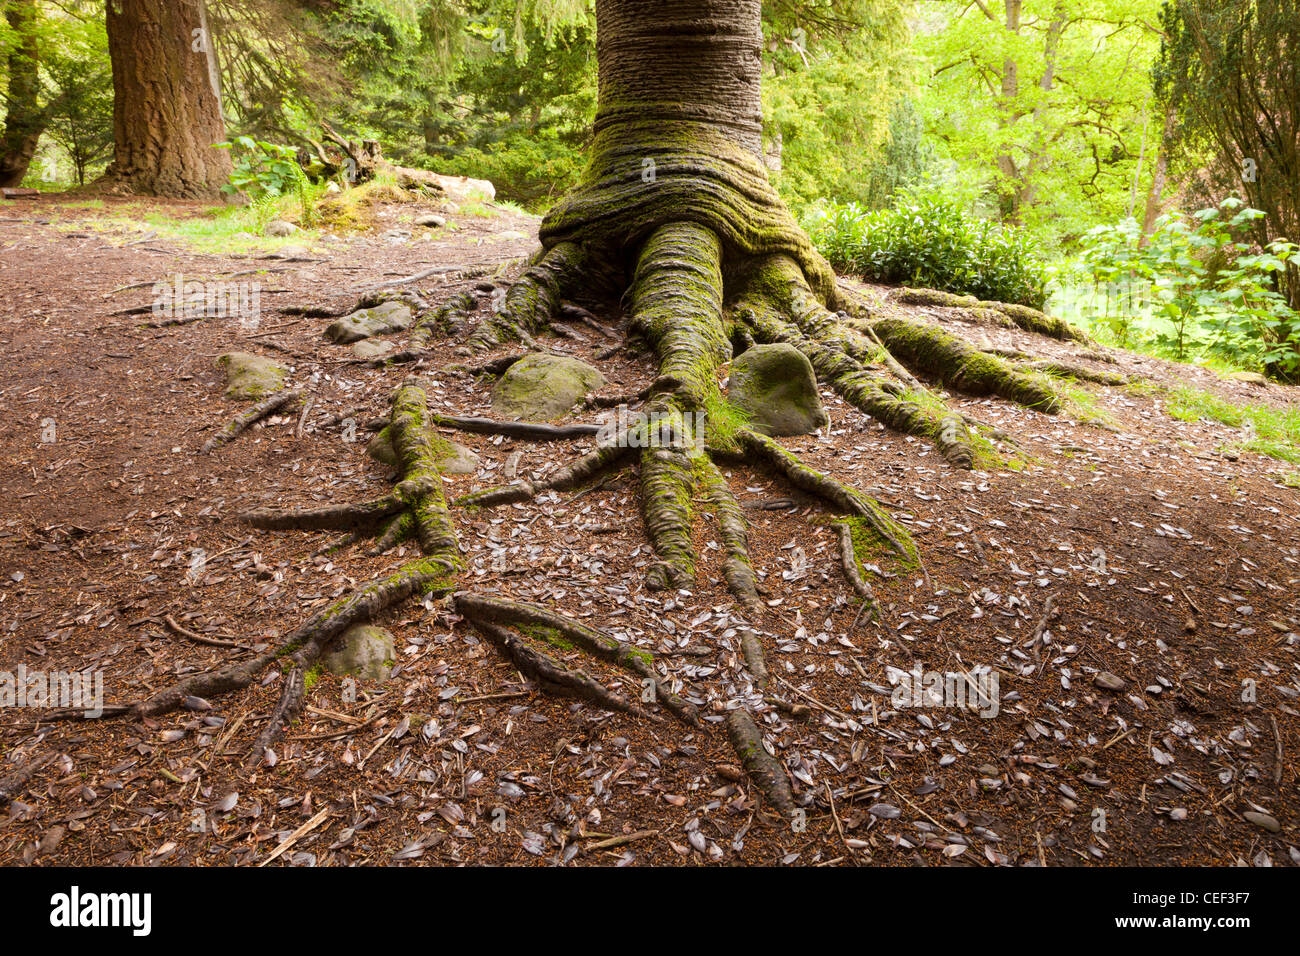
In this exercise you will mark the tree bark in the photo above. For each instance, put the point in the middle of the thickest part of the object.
(678, 135)
(1155, 195)
(167, 100)
(25, 119)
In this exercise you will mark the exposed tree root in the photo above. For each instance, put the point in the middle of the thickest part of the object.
(496, 366)
(480, 609)
(764, 769)
(553, 677)
(245, 420)
(1080, 372)
(840, 355)
(853, 570)
(419, 496)
(12, 784)
(755, 660)
(835, 493)
(528, 306)
(733, 530)
(931, 350)
(605, 458)
(1022, 316)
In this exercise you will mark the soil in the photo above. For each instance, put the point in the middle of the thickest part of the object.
(1170, 560)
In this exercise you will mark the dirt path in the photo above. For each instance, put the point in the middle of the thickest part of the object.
(1168, 564)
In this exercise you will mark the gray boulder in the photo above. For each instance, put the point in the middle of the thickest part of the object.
(540, 387)
(367, 323)
(279, 228)
(364, 651)
(775, 387)
(250, 377)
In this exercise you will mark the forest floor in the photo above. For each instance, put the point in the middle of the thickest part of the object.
(1169, 551)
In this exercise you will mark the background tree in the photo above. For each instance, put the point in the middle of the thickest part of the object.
(1040, 103)
(1231, 68)
(25, 116)
(167, 100)
(80, 82)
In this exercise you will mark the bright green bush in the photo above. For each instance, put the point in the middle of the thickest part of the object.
(1196, 288)
(926, 240)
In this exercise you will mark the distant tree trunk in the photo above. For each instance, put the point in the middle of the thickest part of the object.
(1155, 196)
(167, 100)
(1011, 178)
(25, 120)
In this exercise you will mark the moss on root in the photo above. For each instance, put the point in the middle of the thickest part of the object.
(653, 173)
(929, 349)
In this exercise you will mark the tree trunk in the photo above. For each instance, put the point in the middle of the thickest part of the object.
(167, 101)
(1155, 196)
(1009, 186)
(678, 135)
(25, 120)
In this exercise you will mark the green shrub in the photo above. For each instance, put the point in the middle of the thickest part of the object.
(1196, 288)
(927, 241)
(267, 172)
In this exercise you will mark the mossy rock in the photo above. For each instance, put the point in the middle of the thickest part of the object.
(250, 377)
(364, 651)
(370, 349)
(367, 323)
(540, 387)
(775, 388)
(452, 458)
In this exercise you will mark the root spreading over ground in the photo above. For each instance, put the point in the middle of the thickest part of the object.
(707, 262)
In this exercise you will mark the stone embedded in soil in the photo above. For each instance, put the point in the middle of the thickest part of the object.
(432, 220)
(279, 228)
(364, 651)
(540, 387)
(369, 348)
(367, 323)
(1108, 681)
(452, 458)
(249, 376)
(1269, 823)
(775, 387)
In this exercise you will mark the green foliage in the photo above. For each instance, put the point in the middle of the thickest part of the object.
(267, 172)
(1231, 71)
(80, 87)
(521, 124)
(261, 167)
(839, 119)
(1040, 108)
(1196, 288)
(926, 240)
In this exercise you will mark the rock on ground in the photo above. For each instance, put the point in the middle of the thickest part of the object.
(540, 387)
(249, 376)
(364, 651)
(367, 323)
(775, 387)
(368, 349)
